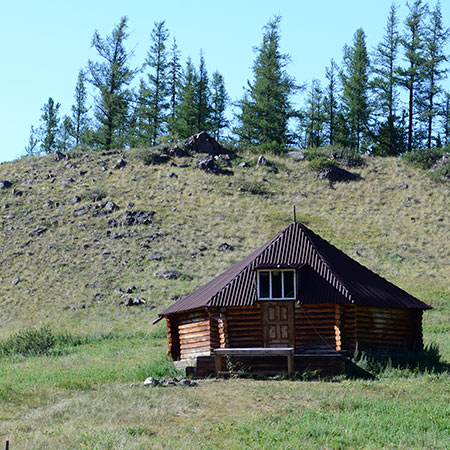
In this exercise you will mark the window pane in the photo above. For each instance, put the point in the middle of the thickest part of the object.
(264, 284)
(289, 291)
(276, 285)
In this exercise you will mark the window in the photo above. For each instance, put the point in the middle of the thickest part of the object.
(276, 284)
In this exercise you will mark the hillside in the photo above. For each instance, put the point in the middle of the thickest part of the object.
(68, 260)
(71, 273)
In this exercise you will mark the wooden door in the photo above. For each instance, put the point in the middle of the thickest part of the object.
(278, 323)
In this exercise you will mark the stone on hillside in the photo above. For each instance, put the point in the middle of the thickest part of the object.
(105, 208)
(203, 143)
(48, 204)
(120, 163)
(17, 193)
(300, 156)
(182, 165)
(5, 184)
(69, 180)
(76, 199)
(132, 301)
(168, 274)
(207, 164)
(244, 164)
(150, 381)
(80, 212)
(334, 173)
(37, 232)
(131, 218)
(177, 152)
(262, 161)
(172, 175)
(224, 247)
(60, 156)
(15, 281)
(403, 186)
(154, 256)
(273, 169)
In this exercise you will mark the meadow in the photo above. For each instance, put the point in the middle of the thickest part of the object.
(86, 390)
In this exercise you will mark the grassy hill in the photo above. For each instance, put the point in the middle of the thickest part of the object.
(70, 272)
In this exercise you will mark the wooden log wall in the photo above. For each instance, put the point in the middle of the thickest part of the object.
(315, 326)
(348, 327)
(388, 328)
(194, 334)
(173, 339)
(244, 327)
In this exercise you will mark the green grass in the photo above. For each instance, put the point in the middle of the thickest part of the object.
(86, 390)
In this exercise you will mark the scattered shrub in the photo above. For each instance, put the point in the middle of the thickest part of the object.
(344, 156)
(425, 158)
(320, 163)
(254, 188)
(441, 170)
(149, 156)
(94, 195)
(29, 342)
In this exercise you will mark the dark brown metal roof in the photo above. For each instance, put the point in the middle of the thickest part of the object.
(327, 276)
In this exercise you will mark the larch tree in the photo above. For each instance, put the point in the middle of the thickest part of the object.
(79, 119)
(187, 117)
(49, 130)
(331, 99)
(436, 38)
(388, 135)
(355, 82)
(111, 76)
(266, 105)
(314, 115)
(219, 103)
(411, 77)
(158, 89)
(174, 84)
(202, 95)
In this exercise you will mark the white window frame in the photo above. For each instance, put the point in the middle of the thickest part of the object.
(282, 284)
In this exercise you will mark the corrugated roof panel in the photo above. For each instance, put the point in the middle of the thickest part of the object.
(334, 277)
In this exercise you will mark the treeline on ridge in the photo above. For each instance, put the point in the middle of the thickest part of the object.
(385, 102)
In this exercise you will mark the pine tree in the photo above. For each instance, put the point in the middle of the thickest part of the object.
(65, 135)
(330, 100)
(445, 113)
(175, 81)
(355, 81)
(388, 135)
(202, 94)
(411, 78)
(266, 105)
(436, 37)
(49, 130)
(158, 89)
(219, 103)
(79, 118)
(112, 77)
(187, 117)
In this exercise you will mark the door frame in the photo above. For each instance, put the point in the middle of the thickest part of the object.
(291, 320)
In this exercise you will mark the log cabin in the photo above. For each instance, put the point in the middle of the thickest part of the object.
(298, 294)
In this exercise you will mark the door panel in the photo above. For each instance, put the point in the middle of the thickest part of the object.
(278, 323)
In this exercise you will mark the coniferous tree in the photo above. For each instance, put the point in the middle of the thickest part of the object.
(49, 131)
(158, 89)
(111, 77)
(331, 100)
(65, 136)
(266, 105)
(314, 115)
(80, 120)
(436, 37)
(445, 113)
(175, 81)
(202, 94)
(187, 118)
(219, 102)
(32, 148)
(412, 76)
(355, 81)
(388, 135)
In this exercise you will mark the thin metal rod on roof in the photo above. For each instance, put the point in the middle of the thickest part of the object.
(293, 212)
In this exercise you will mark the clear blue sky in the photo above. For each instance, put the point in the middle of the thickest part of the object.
(44, 44)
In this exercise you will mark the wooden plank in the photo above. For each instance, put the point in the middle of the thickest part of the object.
(262, 351)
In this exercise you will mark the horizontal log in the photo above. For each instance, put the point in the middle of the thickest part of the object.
(194, 329)
(185, 326)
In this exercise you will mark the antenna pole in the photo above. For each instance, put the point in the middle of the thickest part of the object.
(293, 212)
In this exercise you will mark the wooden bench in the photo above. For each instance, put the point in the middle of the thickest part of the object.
(219, 353)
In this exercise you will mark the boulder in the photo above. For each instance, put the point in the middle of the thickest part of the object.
(105, 208)
(5, 184)
(273, 169)
(300, 156)
(224, 247)
(207, 164)
(244, 164)
(37, 232)
(131, 218)
(262, 161)
(17, 193)
(60, 156)
(76, 199)
(334, 173)
(81, 211)
(168, 274)
(203, 143)
(132, 301)
(120, 164)
(150, 381)
(154, 256)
